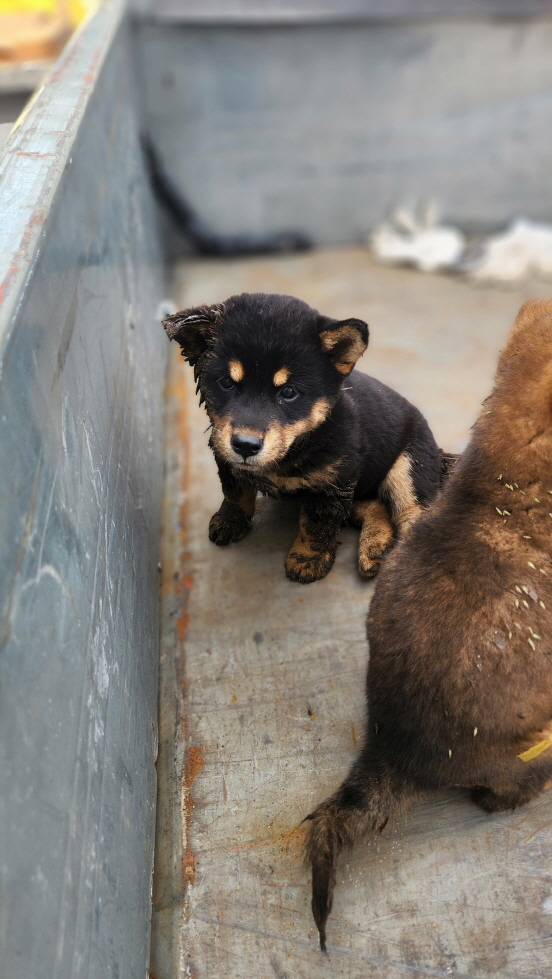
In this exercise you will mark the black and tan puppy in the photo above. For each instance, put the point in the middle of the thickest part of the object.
(290, 417)
(459, 682)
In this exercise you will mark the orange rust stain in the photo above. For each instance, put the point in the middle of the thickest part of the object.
(176, 586)
(287, 839)
(284, 840)
(194, 764)
(182, 624)
(173, 581)
(233, 699)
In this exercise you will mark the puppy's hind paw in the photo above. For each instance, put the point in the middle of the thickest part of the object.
(376, 535)
(371, 553)
(307, 568)
(493, 802)
(229, 524)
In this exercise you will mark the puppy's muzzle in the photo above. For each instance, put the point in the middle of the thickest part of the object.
(246, 445)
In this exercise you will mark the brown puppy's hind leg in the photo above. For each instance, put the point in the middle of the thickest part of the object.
(493, 802)
(376, 534)
(522, 790)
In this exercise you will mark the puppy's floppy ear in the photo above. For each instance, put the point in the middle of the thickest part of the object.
(194, 329)
(345, 342)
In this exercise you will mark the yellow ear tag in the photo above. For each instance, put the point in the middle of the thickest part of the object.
(536, 750)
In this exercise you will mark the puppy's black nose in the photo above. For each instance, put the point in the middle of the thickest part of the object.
(246, 445)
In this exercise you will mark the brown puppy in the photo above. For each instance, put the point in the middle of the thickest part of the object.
(459, 682)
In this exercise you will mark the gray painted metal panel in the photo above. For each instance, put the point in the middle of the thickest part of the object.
(325, 128)
(81, 372)
(297, 11)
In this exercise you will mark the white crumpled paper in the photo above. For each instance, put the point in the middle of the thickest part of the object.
(524, 249)
(416, 238)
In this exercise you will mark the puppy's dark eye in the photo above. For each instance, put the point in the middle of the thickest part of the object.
(226, 383)
(288, 393)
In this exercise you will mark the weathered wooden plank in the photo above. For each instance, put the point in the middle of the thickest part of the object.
(263, 694)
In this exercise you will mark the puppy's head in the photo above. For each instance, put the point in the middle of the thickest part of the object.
(269, 368)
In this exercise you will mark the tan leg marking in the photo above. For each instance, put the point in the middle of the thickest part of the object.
(398, 489)
(246, 499)
(376, 534)
(304, 563)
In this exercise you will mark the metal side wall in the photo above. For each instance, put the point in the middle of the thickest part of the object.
(82, 363)
(325, 128)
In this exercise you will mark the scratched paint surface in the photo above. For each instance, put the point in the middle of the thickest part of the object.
(262, 694)
(81, 374)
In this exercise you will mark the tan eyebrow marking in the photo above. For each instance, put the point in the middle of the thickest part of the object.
(236, 371)
(281, 377)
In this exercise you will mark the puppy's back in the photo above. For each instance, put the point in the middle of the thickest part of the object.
(463, 607)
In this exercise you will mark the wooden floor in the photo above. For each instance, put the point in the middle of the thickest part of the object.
(262, 692)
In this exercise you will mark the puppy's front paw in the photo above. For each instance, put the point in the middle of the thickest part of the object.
(228, 525)
(308, 567)
(369, 562)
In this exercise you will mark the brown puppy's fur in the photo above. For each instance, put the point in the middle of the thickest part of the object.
(459, 682)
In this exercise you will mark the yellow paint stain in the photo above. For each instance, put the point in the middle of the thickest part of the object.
(536, 750)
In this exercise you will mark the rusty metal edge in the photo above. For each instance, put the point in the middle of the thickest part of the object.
(173, 862)
(38, 151)
(280, 12)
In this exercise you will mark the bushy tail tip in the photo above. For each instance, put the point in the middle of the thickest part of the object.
(328, 834)
(366, 800)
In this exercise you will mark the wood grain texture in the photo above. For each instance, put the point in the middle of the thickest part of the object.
(267, 709)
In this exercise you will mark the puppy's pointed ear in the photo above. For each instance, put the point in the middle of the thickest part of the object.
(345, 342)
(194, 329)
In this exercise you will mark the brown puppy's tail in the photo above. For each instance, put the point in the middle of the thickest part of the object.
(365, 801)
